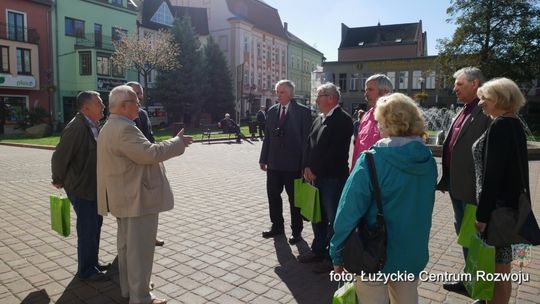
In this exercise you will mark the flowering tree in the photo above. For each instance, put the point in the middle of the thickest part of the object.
(148, 53)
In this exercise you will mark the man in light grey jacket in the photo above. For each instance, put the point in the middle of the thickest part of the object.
(132, 186)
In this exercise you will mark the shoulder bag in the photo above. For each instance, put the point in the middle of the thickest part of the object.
(505, 222)
(365, 248)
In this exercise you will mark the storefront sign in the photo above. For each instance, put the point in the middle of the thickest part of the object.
(18, 81)
(107, 84)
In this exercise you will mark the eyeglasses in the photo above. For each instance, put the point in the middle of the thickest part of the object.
(323, 95)
(134, 101)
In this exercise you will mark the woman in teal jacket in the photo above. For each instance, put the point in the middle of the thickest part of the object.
(407, 174)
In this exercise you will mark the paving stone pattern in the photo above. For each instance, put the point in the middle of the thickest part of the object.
(213, 252)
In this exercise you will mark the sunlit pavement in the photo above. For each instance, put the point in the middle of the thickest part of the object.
(213, 252)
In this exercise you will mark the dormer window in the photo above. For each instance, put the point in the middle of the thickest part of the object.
(398, 40)
(361, 43)
(163, 15)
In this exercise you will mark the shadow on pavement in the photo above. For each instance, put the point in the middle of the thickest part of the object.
(304, 285)
(37, 297)
(94, 292)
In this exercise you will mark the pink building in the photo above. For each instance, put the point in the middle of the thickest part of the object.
(25, 59)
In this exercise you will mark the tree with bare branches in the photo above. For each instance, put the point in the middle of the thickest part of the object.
(146, 54)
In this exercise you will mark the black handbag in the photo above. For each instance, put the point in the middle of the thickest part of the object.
(505, 223)
(365, 248)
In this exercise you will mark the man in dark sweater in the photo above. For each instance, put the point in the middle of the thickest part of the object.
(326, 164)
(73, 166)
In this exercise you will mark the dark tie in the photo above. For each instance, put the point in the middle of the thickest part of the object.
(283, 114)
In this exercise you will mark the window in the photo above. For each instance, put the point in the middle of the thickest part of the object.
(392, 76)
(118, 33)
(403, 80)
(354, 81)
(163, 15)
(116, 2)
(16, 29)
(117, 71)
(417, 80)
(23, 61)
(97, 34)
(4, 59)
(343, 82)
(103, 65)
(15, 107)
(85, 63)
(74, 27)
(430, 80)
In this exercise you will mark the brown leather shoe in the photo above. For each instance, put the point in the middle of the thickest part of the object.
(158, 301)
(160, 242)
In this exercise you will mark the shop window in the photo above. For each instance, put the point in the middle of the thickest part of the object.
(15, 106)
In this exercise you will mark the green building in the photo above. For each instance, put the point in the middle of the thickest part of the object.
(83, 35)
(303, 59)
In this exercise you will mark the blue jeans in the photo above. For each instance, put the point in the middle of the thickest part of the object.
(329, 194)
(459, 212)
(88, 234)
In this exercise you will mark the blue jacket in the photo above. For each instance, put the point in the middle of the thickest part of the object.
(407, 175)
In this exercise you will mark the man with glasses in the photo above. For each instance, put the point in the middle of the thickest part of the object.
(73, 167)
(133, 187)
(377, 86)
(326, 165)
(287, 127)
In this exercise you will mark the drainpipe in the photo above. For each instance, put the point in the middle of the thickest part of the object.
(57, 74)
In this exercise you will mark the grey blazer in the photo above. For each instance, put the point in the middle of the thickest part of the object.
(459, 177)
(282, 148)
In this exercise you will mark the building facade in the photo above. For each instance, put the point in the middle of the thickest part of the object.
(416, 77)
(252, 37)
(404, 40)
(25, 60)
(303, 59)
(83, 36)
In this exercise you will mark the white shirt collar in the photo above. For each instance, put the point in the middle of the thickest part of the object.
(330, 112)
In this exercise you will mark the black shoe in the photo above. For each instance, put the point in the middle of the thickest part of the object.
(457, 287)
(160, 242)
(97, 277)
(271, 233)
(103, 267)
(295, 239)
(479, 302)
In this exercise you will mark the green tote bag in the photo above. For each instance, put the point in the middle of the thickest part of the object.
(60, 215)
(468, 229)
(346, 294)
(306, 197)
(481, 258)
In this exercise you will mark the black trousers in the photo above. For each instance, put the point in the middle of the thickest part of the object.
(275, 181)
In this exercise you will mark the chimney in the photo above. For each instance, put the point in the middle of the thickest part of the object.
(285, 25)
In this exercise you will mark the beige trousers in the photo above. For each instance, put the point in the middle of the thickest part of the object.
(136, 243)
(396, 292)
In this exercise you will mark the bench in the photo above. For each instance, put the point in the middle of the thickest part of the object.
(212, 129)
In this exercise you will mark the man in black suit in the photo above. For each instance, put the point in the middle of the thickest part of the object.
(287, 127)
(326, 164)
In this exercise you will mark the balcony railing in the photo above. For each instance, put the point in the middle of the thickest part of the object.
(18, 33)
(93, 41)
